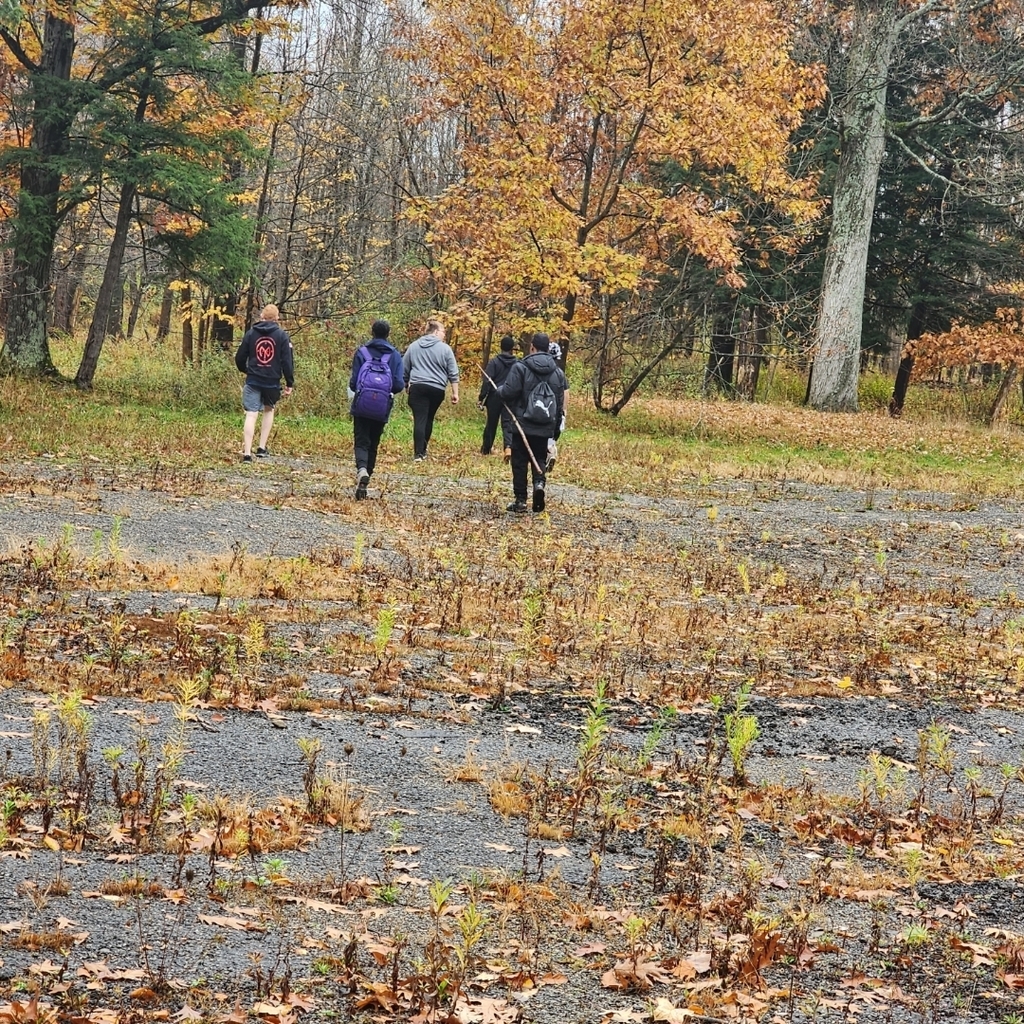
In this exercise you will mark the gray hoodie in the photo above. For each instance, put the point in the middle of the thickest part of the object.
(429, 360)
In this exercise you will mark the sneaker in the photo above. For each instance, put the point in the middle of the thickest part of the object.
(552, 456)
(418, 458)
(262, 453)
(518, 507)
(538, 494)
(362, 479)
(247, 458)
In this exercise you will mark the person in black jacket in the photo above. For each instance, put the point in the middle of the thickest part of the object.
(366, 431)
(494, 376)
(524, 394)
(264, 356)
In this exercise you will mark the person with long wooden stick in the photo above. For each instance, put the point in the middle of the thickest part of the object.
(534, 393)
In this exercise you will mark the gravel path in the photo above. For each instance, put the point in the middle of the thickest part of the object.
(932, 543)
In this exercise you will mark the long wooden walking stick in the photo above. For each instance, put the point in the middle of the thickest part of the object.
(519, 426)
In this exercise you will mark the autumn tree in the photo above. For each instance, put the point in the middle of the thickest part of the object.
(951, 61)
(70, 59)
(566, 116)
(340, 156)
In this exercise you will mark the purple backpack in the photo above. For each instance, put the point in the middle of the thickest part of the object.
(373, 387)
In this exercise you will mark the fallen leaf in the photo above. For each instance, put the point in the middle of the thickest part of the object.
(664, 1010)
(237, 923)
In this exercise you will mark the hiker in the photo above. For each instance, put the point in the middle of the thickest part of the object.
(534, 391)
(377, 376)
(429, 368)
(494, 377)
(264, 356)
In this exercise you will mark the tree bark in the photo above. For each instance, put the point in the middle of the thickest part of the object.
(185, 307)
(98, 329)
(26, 346)
(899, 392)
(163, 327)
(136, 292)
(721, 359)
(111, 294)
(862, 111)
(1009, 379)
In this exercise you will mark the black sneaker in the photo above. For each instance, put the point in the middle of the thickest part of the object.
(262, 453)
(519, 507)
(538, 494)
(362, 479)
(247, 458)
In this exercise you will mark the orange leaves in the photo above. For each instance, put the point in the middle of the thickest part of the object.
(998, 341)
(570, 114)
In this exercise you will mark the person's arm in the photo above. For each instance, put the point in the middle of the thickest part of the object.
(453, 375)
(242, 355)
(287, 362)
(509, 391)
(397, 372)
(357, 361)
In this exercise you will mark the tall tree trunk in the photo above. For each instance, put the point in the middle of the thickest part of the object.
(163, 327)
(1009, 379)
(862, 111)
(115, 317)
(98, 329)
(26, 346)
(761, 319)
(136, 292)
(906, 368)
(185, 306)
(111, 294)
(721, 357)
(67, 290)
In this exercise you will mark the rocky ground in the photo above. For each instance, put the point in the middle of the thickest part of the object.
(864, 864)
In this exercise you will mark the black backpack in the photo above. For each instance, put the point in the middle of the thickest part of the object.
(540, 407)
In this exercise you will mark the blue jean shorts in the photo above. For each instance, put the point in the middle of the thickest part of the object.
(257, 399)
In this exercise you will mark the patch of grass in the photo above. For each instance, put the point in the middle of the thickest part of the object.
(147, 408)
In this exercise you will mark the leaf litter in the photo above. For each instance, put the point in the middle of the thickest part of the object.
(719, 914)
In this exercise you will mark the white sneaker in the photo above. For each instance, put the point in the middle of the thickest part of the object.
(552, 455)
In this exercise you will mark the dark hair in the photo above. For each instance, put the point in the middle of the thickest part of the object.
(507, 343)
(380, 328)
(540, 341)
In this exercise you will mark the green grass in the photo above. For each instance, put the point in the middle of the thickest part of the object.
(146, 408)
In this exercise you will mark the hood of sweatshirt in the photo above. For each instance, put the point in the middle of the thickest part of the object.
(541, 363)
(265, 325)
(427, 341)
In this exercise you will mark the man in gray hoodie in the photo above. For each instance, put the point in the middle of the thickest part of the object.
(429, 368)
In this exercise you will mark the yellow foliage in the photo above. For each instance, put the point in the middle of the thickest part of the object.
(569, 112)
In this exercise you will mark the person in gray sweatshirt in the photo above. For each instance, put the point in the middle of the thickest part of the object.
(429, 368)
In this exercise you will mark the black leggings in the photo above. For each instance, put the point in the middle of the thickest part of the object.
(496, 412)
(523, 465)
(424, 400)
(366, 437)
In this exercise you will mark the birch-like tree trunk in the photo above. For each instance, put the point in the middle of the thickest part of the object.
(862, 111)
